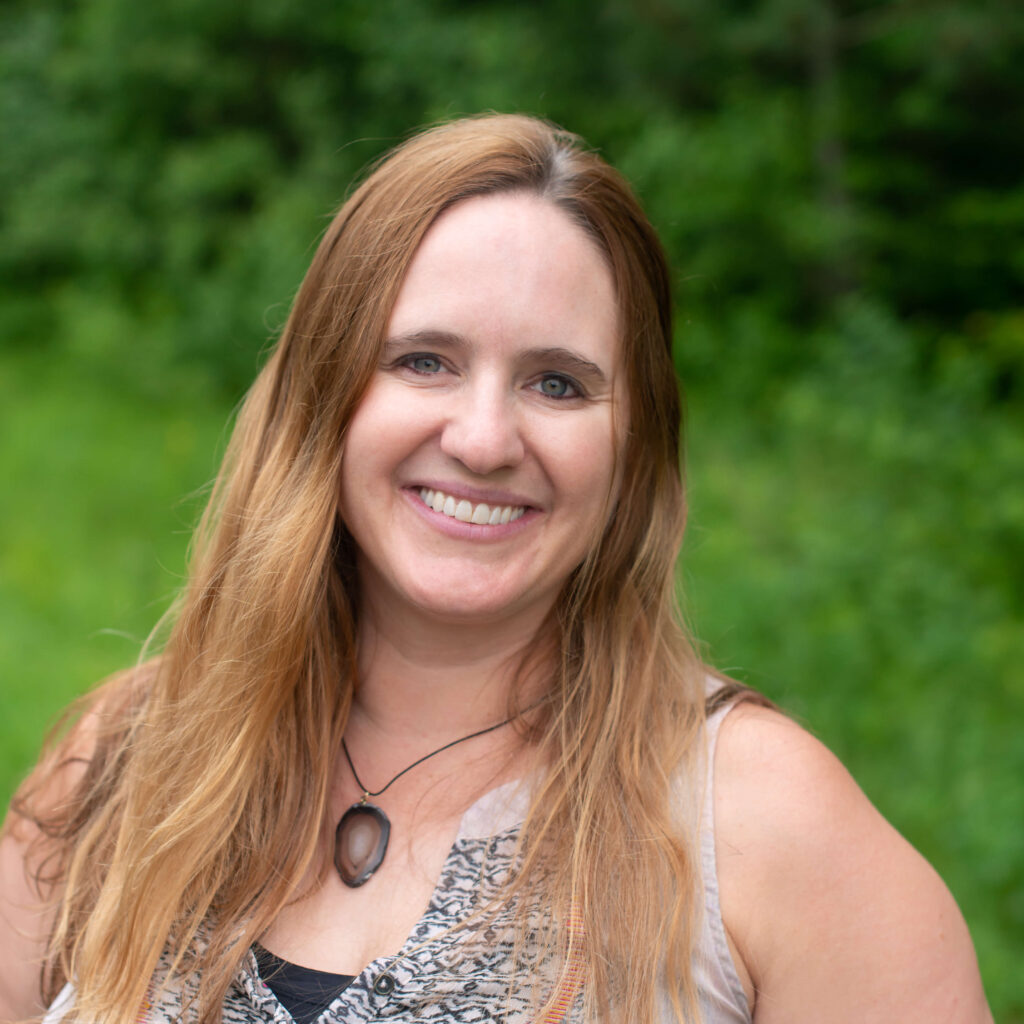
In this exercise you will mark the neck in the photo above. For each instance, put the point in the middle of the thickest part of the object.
(444, 681)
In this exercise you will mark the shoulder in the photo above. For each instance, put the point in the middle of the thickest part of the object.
(38, 830)
(82, 740)
(834, 915)
(28, 856)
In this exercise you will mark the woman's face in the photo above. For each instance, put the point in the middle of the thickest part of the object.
(480, 465)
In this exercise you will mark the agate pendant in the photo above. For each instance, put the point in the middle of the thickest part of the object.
(360, 843)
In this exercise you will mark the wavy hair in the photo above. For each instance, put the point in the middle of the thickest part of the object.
(173, 842)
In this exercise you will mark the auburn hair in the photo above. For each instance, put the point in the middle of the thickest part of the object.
(171, 842)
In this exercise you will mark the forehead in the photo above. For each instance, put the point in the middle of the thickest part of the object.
(508, 266)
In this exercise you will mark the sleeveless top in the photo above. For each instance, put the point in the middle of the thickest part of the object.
(436, 978)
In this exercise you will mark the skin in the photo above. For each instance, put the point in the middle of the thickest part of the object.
(501, 384)
(23, 927)
(832, 917)
(25, 921)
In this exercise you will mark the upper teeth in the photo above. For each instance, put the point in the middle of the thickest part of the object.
(467, 512)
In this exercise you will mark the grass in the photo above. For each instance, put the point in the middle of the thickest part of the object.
(96, 521)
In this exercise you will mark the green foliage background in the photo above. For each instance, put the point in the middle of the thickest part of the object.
(840, 188)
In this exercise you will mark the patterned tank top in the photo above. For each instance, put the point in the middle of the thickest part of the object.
(432, 979)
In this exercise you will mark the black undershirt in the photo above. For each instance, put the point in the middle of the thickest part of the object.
(305, 993)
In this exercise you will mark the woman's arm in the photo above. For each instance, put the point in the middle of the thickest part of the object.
(25, 926)
(836, 918)
(27, 913)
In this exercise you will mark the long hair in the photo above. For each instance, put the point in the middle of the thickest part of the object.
(206, 792)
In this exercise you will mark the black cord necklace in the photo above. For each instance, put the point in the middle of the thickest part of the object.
(361, 839)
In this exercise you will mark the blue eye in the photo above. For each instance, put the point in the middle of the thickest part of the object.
(554, 385)
(424, 364)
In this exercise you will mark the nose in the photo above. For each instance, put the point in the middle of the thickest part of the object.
(483, 430)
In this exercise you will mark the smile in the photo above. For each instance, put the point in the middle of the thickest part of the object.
(466, 512)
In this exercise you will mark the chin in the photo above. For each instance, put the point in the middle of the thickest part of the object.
(481, 604)
(458, 609)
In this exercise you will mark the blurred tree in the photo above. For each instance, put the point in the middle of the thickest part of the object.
(174, 160)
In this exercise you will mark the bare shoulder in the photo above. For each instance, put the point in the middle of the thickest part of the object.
(835, 917)
(28, 854)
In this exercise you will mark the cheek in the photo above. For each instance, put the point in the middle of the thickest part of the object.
(375, 437)
(592, 476)
(605, 471)
(364, 458)
(617, 456)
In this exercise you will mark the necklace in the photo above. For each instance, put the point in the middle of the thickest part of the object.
(361, 839)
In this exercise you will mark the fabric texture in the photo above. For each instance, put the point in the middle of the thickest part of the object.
(305, 993)
(439, 975)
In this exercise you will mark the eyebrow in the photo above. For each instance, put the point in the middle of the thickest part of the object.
(428, 337)
(569, 360)
(565, 358)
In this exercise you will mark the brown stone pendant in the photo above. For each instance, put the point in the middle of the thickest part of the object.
(360, 843)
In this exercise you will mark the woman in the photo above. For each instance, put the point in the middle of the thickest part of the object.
(428, 657)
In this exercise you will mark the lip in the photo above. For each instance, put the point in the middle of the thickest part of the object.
(471, 531)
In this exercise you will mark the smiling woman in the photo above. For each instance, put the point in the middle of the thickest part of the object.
(438, 573)
(494, 415)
